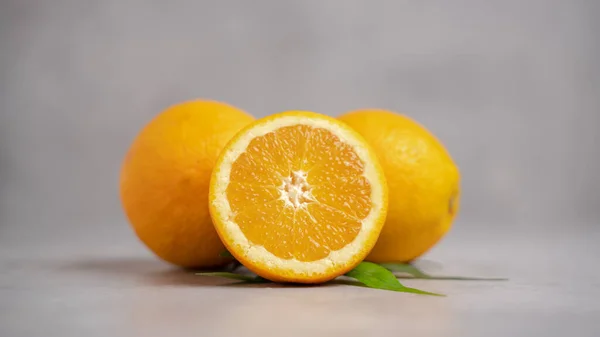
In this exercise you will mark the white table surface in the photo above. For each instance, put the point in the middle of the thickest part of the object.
(99, 281)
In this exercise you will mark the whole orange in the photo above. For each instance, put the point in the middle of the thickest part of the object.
(423, 181)
(165, 180)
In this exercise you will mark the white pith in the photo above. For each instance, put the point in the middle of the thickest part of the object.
(296, 195)
(295, 190)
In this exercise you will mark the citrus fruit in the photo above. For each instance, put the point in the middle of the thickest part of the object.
(423, 180)
(298, 197)
(165, 179)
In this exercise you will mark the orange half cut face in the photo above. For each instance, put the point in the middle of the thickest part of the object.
(298, 197)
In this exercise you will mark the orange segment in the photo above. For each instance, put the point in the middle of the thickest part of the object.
(257, 220)
(298, 196)
(333, 229)
(352, 197)
(329, 157)
(239, 193)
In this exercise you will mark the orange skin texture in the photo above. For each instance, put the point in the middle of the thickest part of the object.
(423, 180)
(165, 179)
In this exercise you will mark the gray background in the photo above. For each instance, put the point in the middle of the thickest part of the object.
(512, 87)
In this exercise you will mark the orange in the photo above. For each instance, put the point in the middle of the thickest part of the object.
(423, 179)
(298, 197)
(165, 179)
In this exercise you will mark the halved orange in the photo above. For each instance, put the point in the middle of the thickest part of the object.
(298, 197)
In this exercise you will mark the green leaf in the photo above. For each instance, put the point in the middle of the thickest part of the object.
(225, 253)
(234, 276)
(416, 273)
(375, 276)
(405, 268)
